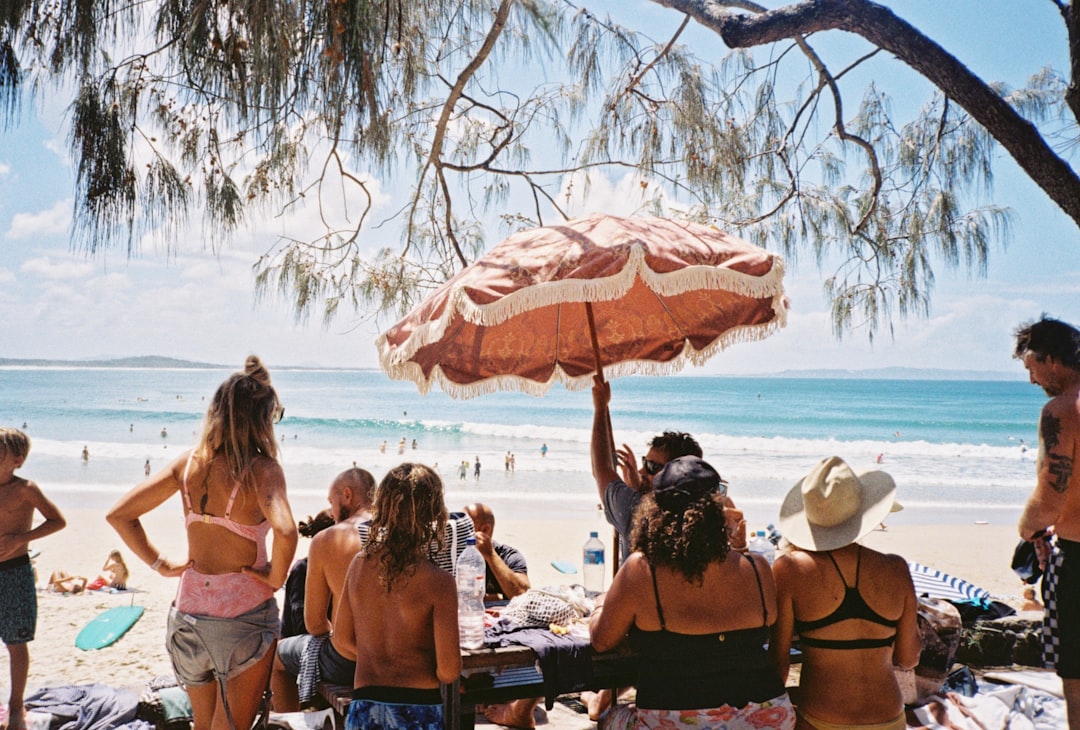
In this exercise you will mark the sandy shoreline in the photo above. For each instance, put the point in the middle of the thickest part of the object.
(977, 553)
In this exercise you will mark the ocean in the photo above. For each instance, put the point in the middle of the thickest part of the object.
(960, 451)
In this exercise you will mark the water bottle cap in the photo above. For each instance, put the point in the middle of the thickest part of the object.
(594, 533)
(470, 540)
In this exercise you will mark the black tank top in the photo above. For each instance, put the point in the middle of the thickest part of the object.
(853, 606)
(700, 671)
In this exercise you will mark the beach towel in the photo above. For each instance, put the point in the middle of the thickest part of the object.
(88, 707)
(564, 659)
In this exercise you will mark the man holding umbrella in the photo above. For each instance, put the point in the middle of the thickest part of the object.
(620, 495)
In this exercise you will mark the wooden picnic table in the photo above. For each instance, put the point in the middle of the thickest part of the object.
(500, 674)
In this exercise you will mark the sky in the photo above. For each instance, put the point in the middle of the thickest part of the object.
(194, 304)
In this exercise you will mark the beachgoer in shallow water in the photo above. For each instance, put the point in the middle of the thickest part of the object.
(224, 621)
(697, 612)
(19, 499)
(853, 608)
(398, 612)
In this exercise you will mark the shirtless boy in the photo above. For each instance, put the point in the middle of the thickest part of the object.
(19, 498)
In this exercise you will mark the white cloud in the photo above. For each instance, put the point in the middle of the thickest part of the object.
(49, 222)
(59, 269)
(5, 169)
(6, 276)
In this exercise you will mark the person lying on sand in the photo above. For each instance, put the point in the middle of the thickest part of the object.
(61, 582)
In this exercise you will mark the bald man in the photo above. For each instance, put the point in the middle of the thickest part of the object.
(507, 573)
(351, 497)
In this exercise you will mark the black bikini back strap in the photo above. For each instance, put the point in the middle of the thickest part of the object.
(858, 566)
(656, 595)
(761, 594)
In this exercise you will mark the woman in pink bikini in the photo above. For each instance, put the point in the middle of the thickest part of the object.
(224, 621)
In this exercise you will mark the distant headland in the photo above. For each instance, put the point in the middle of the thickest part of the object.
(145, 361)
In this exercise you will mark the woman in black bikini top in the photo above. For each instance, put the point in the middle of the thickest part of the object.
(853, 608)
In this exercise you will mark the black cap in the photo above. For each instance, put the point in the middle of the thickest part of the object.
(685, 479)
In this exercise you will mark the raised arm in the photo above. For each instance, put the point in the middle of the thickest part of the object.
(603, 443)
(511, 582)
(1054, 468)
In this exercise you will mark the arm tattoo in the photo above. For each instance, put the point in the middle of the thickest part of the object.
(1060, 468)
(1049, 431)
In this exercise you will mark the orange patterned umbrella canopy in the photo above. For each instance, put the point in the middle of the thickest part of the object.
(662, 293)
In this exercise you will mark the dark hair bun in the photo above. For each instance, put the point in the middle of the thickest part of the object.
(253, 368)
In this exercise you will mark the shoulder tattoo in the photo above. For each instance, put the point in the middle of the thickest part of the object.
(1049, 430)
(1060, 468)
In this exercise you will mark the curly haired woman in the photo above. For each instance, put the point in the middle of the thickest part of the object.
(697, 614)
(399, 609)
(224, 621)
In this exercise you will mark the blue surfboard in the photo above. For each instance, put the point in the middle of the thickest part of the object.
(108, 626)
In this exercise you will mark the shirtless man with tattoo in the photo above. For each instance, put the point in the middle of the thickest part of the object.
(1050, 350)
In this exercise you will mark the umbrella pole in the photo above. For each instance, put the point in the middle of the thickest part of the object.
(611, 434)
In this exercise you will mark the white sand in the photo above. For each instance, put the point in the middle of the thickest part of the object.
(977, 553)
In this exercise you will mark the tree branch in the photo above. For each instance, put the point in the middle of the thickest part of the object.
(883, 28)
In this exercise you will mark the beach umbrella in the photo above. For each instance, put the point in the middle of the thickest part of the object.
(602, 294)
(935, 584)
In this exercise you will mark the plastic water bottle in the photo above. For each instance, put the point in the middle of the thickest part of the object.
(761, 545)
(592, 571)
(470, 573)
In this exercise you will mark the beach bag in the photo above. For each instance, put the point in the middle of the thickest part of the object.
(940, 630)
(541, 607)
(1025, 562)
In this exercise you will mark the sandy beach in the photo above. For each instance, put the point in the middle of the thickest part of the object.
(977, 553)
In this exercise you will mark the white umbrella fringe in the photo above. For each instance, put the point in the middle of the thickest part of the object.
(589, 290)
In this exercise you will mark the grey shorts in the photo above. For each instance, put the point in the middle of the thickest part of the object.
(333, 667)
(18, 601)
(204, 648)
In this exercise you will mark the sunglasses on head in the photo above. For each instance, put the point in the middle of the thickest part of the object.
(651, 467)
(278, 414)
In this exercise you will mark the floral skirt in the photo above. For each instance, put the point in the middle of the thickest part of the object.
(775, 713)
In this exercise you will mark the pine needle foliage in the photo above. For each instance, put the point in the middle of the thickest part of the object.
(222, 112)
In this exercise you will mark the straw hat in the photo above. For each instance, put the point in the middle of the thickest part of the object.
(832, 506)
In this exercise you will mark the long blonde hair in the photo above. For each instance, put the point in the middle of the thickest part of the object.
(240, 421)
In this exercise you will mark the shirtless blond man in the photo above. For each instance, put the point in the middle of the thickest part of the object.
(398, 613)
(350, 497)
(1050, 350)
(19, 499)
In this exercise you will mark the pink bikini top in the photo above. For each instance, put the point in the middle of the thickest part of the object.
(256, 533)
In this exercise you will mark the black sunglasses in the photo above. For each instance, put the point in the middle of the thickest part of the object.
(278, 414)
(651, 467)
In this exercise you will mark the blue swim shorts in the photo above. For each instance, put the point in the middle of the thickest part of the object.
(18, 601)
(403, 708)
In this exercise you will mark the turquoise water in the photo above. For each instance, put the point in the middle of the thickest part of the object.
(955, 448)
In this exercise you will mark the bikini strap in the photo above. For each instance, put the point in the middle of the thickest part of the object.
(761, 593)
(858, 563)
(656, 595)
(840, 572)
(187, 495)
(232, 498)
